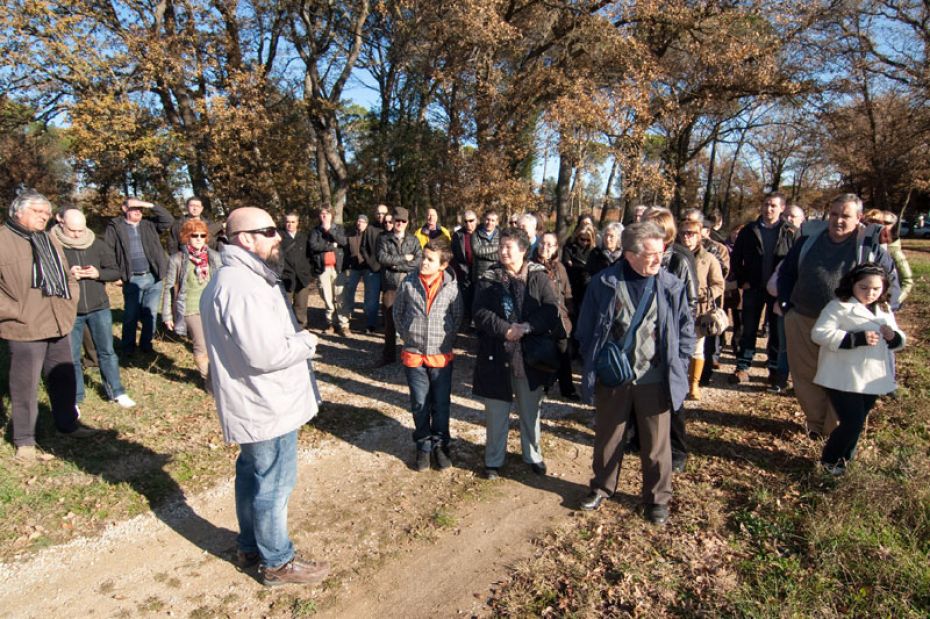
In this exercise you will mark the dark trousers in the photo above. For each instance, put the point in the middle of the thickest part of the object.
(851, 410)
(755, 302)
(650, 407)
(390, 335)
(430, 402)
(50, 359)
(566, 386)
(678, 437)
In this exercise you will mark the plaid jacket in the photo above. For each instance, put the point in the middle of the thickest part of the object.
(431, 334)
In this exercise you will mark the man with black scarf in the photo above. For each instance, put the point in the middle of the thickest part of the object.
(38, 304)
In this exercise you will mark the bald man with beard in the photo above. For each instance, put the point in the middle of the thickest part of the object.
(264, 389)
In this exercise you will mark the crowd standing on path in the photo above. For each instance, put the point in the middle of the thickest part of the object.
(640, 311)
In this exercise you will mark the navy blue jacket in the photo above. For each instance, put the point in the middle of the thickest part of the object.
(676, 328)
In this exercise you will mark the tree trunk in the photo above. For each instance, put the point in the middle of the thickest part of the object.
(710, 175)
(605, 203)
(563, 196)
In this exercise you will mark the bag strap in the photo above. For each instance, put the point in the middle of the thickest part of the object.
(644, 303)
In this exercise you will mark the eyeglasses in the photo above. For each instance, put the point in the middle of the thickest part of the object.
(269, 232)
(400, 221)
(198, 236)
(689, 233)
(470, 221)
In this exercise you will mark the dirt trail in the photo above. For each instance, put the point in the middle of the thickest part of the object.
(401, 543)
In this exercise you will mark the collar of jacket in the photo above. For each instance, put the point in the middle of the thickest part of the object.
(233, 256)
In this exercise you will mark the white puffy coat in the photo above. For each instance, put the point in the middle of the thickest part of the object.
(863, 369)
(259, 359)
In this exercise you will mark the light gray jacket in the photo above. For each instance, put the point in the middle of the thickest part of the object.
(259, 359)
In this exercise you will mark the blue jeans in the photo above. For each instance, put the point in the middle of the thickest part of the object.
(266, 473)
(372, 283)
(100, 324)
(755, 302)
(430, 395)
(142, 296)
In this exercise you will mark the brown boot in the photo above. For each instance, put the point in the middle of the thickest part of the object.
(694, 379)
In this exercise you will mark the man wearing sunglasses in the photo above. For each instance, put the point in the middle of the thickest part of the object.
(398, 254)
(142, 261)
(463, 258)
(264, 389)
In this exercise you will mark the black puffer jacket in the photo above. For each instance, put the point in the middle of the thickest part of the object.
(540, 309)
(94, 291)
(391, 252)
(485, 250)
(680, 262)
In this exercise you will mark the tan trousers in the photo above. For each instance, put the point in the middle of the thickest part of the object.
(613, 409)
(802, 359)
(331, 284)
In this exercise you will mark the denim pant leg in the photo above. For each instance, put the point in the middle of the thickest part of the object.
(77, 342)
(372, 298)
(753, 304)
(151, 299)
(440, 393)
(100, 325)
(418, 380)
(782, 365)
(266, 473)
(528, 410)
(851, 410)
(132, 308)
(348, 291)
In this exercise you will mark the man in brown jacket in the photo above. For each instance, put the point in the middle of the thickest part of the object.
(38, 304)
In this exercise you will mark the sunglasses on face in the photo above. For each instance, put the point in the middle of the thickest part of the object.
(400, 221)
(470, 221)
(198, 236)
(269, 232)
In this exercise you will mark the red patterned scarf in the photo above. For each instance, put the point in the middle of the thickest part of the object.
(201, 261)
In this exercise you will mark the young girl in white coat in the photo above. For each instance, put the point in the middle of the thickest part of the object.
(855, 332)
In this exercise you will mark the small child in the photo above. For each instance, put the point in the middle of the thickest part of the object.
(856, 333)
(427, 313)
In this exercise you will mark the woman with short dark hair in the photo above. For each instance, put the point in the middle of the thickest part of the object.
(514, 300)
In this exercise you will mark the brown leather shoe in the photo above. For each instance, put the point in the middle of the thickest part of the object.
(296, 571)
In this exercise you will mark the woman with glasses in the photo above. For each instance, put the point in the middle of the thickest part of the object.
(189, 270)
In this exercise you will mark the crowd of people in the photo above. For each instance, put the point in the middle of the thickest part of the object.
(640, 311)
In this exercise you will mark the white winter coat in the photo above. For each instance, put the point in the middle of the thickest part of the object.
(259, 358)
(863, 369)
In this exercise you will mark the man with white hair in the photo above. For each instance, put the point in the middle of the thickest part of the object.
(794, 215)
(432, 229)
(38, 304)
(264, 390)
(528, 223)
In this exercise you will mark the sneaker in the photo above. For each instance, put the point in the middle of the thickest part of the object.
(538, 467)
(491, 473)
(82, 431)
(296, 571)
(657, 514)
(125, 401)
(29, 453)
(422, 460)
(442, 457)
(592, 501)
